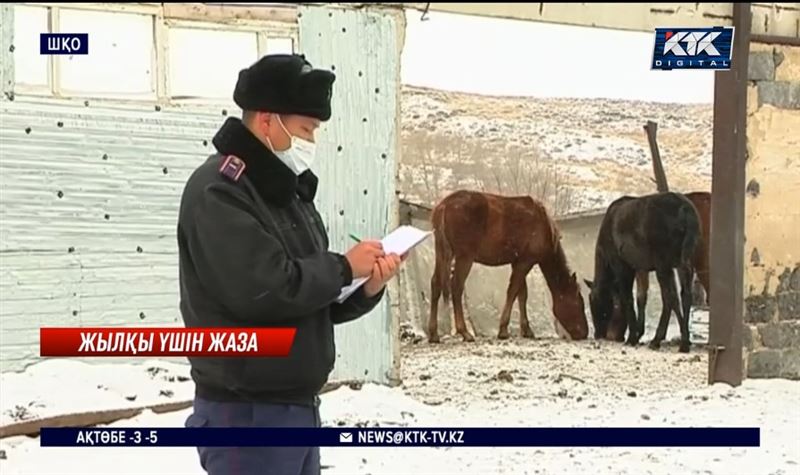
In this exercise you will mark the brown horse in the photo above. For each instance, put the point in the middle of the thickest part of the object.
(702, 203)
(496, 230)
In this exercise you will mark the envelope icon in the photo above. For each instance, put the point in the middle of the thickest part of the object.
(345, 437)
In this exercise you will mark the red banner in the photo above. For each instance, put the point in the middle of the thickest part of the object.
(233, 342)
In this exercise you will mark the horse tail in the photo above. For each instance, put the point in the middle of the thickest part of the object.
(691, 235)
(444, 253)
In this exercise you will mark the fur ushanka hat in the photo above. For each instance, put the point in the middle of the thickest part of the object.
(285, 84)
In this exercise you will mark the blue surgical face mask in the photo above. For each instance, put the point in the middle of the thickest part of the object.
(299, 156)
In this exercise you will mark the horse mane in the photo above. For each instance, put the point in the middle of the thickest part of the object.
(559, 256)
(555, 234)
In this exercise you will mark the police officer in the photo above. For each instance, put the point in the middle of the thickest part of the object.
(254, 253)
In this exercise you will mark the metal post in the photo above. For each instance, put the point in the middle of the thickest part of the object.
(727, 209)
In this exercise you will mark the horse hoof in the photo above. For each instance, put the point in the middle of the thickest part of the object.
(684, 348)
(503, 336)
(528, 334)
(468, 338)
(630, 342)
(655, 345)
(434, 340)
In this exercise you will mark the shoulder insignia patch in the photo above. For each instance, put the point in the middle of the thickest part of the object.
(232, 167)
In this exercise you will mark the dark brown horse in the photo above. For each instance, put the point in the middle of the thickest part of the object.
(496, 230)
(658, 232)
(702, 203)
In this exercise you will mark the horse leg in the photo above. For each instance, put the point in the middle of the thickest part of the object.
(685, 275)
(518, 273)
(663, 321)
(522, 301)
(436, 293)
(670, 302)
(617, 326)
(702, 275)
(460, 273)
(701, 266)
(642, 287)
(624, 289)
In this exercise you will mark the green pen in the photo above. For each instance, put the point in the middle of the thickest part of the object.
(354, 238)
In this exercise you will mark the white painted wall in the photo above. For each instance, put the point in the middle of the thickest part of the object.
(359, 156)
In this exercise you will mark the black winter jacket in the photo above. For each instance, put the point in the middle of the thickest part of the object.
(254, 253)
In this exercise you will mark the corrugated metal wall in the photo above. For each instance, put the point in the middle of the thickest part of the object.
(89, 194)
(90, 197)
(357, 162)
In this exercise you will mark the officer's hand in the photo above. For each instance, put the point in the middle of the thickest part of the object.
(362, 257)
(382, 272)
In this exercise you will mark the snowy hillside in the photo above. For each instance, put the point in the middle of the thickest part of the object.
(591, 150)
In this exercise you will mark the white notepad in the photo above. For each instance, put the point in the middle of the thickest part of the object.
(399, 241)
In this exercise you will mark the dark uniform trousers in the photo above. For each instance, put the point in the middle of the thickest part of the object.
(256, 460)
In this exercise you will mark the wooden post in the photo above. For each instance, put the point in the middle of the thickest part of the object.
(658, 168)
(727, 209)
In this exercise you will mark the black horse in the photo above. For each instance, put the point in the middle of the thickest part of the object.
(658, 233)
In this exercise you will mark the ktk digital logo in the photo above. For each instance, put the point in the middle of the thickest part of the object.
(693, 48)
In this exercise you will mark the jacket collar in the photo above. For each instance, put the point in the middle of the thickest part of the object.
(275, 182)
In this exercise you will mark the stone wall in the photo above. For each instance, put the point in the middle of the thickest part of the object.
(772, 221)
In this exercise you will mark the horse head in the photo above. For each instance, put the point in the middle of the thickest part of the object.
(570, 310)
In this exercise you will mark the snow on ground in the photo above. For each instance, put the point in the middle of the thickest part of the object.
(62, 386)
(487, 383)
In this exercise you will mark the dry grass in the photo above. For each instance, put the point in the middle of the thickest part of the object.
(574, 154)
